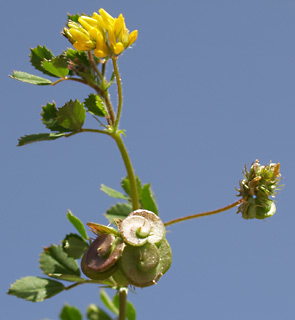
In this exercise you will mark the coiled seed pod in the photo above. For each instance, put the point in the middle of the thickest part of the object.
(143, 266)
(99, 262)
(142, 226)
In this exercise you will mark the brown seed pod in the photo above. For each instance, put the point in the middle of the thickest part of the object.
(99, 262)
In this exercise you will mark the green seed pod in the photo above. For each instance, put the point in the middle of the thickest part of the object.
(143, 266)
(99, 262)
(142, 226)
(257, 208)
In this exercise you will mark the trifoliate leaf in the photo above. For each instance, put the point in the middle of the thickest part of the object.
(37, 55)
(95, 313)
(35, 289)
(70, 313)
(54, 260)
(57, 67)
(76, 222)
(125, 183)
(72, 115)
(147, 199)
(107, 301)
(39, 137)
(113, 193)
(74, 246)
(118, 211)
(30, 78)
(49, 118)
(130, 310)
(95, 105)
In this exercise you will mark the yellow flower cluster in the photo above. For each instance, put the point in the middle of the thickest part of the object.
(107, 36)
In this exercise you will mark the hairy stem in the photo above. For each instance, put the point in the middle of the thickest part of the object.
(130, 171)
(120, 94)
(203, 214)
(93, 65)
(122, 303)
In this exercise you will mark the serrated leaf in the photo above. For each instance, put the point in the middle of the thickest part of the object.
(95, 313)
(54, 260)
(57, 67)
(37, 55)
(35, 289)
(119, 211)
(113, 193)
(130, 310)
(95, 105)
(70, 313)
(107, 301)
(49, 118)
(76, 222)
(30, 78)
(39, 137)
(125, 184)
(147, 199)
(66, 277)
(72, 115)
(74, 246)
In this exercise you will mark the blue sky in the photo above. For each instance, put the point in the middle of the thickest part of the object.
(208, 87)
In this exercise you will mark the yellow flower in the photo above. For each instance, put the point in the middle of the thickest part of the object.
(107, 36)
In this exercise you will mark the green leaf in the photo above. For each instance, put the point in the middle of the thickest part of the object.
(35, 289)
(70, 313)
(39, 137)
(148, 199)
(72, 115)
(77, 224)
(130, 310)
(54, 260)
(66, 277)
(113, 193)
(125, 184)
(95, 105)
(29, 78)
(94, 313)
(57, 67)
(74, 246)
(74, 17)
(37, 55)
(79, 62)
(119, 211)
(106, 300)
(49, 118)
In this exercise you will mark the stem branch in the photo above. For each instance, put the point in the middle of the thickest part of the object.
(203, 214)
(120, 94)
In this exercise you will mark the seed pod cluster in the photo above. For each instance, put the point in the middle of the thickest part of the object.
(138, 254)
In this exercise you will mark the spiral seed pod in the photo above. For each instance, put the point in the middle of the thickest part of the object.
(99, 262)
(142, 226)
(143, 266)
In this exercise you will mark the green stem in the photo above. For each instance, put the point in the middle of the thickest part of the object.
(94, 66)
(86, 130)
(122, 303)
(203, 214)
(130, 172)
(120, 94)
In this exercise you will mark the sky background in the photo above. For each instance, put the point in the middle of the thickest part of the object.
(208, 87)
